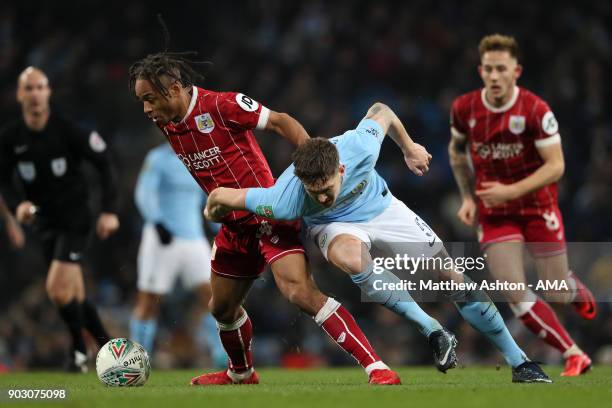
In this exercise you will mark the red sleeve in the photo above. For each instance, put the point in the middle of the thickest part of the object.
(458, 128)
(240, 112)
(543, 125)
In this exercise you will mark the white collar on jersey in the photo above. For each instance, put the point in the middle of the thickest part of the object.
(503, 108)
(194, 98)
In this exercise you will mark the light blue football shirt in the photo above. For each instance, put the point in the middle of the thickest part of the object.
(167, 193)
(363, 193)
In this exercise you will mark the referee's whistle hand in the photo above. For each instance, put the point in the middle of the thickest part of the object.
(26, 212)
(107, 224)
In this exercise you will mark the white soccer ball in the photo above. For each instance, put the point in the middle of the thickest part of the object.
(123, 363)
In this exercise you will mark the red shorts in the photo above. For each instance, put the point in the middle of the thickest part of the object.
(544, 234)
(242, 251)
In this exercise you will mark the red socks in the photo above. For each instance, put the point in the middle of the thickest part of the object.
(236, 339)
(340, 325)
(543, 322)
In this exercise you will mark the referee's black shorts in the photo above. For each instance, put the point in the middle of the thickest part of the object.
(65, 243)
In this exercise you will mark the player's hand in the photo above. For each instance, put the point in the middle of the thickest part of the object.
(26, 212)
(495, 193)
(417, 159)
(214, 213)
(467, 212)
(15, 233)
(107, 224)
(165, 236)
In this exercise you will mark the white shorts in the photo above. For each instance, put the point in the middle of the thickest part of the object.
(160, 265)
(397, 230)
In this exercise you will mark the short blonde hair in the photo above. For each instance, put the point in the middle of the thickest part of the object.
(498, 42)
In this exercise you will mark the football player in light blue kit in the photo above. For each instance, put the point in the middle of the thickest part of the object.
(173, 245)
(348, 208)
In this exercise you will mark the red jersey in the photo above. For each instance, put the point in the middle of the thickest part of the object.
(216, 143)
(503, 144)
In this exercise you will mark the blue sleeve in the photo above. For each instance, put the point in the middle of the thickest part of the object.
(360, 147)
(147, 189)
(283, 201)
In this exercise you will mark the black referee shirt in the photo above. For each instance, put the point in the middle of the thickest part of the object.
(48, 165)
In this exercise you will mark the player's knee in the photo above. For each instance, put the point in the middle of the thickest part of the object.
(59, 295)
(347, 253)
(224, 312)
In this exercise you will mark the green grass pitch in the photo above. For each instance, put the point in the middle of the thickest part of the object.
(422, 387)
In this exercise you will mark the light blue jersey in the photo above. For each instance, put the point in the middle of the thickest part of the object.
(363, 193)
(166, 193)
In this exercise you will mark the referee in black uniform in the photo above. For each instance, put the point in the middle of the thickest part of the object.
(46, 152)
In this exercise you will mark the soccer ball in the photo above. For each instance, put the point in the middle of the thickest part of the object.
(123, 363)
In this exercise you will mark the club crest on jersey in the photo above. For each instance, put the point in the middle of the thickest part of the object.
(516, 124)
(472, 123)
(59, 166)
(27, 171)
(205, 123)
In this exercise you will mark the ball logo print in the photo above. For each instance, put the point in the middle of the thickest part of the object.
(123, 363)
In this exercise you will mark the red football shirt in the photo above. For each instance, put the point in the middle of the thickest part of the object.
(503, 144)
(216, 143)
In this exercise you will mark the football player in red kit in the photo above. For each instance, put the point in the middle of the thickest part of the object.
(513, 141)
(212, 134)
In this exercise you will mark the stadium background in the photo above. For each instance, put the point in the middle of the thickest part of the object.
(324, 63)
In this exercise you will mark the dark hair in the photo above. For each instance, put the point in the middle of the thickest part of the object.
(175, 65)
(316, 160)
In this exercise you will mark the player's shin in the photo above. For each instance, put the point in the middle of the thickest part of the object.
(72, 315)
(93, 324)
(477, 309)
(540, 318)
(236, 339)
(372, 285)
(143, 332)
(340, 325)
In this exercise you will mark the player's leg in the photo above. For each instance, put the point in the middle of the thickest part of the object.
(235, 332)
(66, 289)
(235, 263)
(504, 265)
(143, 324)
(399, 231)
(295, 282)
(157, 270)
(478, 309)
(350, 253)
(61, 286)
(195, 274)
(344, 245)
(546, 242)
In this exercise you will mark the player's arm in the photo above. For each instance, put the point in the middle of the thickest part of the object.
(146, 196)
(495, 193)
(221, 201)
(464, 176)
(287, 127)
(13, 229)
(94, 150)
(242, 112)
(282, 201)
(416, 156)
